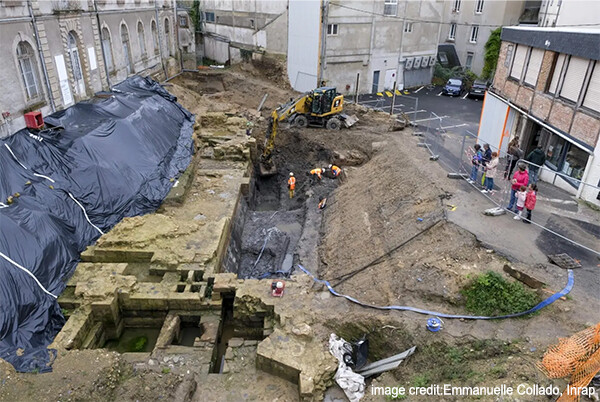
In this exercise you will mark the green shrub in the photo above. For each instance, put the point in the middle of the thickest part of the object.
(490, 294)
(492, 51)
(137, 344)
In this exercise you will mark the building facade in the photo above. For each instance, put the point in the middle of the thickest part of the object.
(547, 91)
(57, 53)
(469, 23)
(383, 41)
(556, 13)
(232, 29)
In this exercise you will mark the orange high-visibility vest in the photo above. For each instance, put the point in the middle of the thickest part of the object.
(317, 171)
(292, 183)
(336, 170)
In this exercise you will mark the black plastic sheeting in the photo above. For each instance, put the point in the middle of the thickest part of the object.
(115, 156)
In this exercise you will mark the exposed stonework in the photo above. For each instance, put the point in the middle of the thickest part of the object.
(545, 70)
(510, 89)
(586, 128)
(541, 106)
(524, 97)
(561, 116)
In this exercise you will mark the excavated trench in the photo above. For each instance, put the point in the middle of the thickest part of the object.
(268, 225)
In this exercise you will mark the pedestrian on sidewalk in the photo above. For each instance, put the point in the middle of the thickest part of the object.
(537, 157)
(514, 154)
(476, 162)
(485, 159)
(291, 184)
(530, 201)
(490, 173)
(521, 197)
(520, 178)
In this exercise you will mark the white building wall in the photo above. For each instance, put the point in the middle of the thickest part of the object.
(303, 43)
(574, 12)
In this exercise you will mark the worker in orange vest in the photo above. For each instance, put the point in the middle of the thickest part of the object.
(318, 172)
(335, 170)
(292, 184)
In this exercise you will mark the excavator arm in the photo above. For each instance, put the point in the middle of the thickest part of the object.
(282, 113)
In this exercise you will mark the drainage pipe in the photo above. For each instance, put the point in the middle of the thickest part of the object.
(41, 55)
(102, 44)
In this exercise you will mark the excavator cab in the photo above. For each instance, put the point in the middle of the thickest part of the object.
(324, 100)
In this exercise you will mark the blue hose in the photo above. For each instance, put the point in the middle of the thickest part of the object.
(539, 306)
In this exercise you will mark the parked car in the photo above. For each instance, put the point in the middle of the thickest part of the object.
(454, 87)
(478, 89)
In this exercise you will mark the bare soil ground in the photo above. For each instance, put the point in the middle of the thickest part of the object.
(391, 209)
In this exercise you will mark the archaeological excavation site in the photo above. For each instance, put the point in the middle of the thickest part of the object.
(190, 275)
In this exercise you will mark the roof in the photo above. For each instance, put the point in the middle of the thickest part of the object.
(578, 41)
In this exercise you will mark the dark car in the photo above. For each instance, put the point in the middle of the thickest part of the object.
(478, 89)
(454, 87)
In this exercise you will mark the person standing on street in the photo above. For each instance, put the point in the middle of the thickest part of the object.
(490, 173)
(291, 184)
(521, 178)
(514, 154)
(537, 157)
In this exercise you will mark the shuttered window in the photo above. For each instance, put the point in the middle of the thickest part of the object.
(533, 68)
(518, 62)
(558, 67)
(574, 77)
(592, 96)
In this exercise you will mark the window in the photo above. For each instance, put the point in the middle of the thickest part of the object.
(558, 68)
(474, 33)
(142, 39)
(479, 7)
(469, 61)
(456, 6)
(252, 24)
(408, 27)
(592, 96)
(575, 161)
(533, 68)
(509, 53)
(154, 37)
(209, 17)
(519, 61)
(556, 146)
(73, 51)
(332, 29)
(452, 33)
(126, 48)
(390, 7)
(168, 37)
(26, 59)
(573, 81)
(183, 22)
(106, 46)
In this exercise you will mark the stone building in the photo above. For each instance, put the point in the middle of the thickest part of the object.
(547, 90)
(56, 53)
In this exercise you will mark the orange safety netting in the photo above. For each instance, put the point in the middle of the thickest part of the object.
(577, 356)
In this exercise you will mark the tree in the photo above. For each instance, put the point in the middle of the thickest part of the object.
(492, 50)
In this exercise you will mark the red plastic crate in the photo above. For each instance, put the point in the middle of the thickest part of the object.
(34, 120)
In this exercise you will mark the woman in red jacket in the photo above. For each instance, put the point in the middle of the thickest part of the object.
(520, 178)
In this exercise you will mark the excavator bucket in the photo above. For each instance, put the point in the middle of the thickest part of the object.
(349, 121)
(267, 168)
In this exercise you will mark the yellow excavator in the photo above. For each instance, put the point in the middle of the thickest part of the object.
(321, 107)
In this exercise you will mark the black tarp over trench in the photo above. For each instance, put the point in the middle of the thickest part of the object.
(61, 188)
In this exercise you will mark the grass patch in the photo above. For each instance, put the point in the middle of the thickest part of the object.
(489, 294)
(166, 370)
(137, 344)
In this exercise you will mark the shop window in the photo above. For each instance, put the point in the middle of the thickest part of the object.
(575, 161)
(556, 147)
